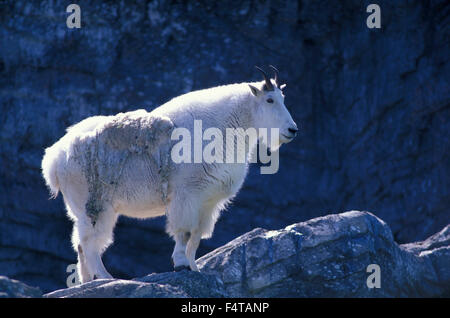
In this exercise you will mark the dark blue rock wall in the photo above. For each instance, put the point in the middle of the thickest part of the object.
(372, 106)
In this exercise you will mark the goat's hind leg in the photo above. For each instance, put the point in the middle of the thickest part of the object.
(82, 271)
(92, 241)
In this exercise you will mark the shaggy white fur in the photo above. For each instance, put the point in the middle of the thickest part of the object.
(110, 165)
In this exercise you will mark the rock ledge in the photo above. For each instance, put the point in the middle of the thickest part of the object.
(323, 257)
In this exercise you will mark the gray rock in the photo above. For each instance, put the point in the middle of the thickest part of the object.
(10, 288)
(323, 257)
(328, 257)
(194, 284)
(167, 285)
(114, 288)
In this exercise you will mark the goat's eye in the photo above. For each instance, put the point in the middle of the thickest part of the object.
(270, 100)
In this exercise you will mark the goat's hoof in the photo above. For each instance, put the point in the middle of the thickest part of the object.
(181, 268)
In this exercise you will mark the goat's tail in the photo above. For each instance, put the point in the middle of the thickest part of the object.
(49, 167)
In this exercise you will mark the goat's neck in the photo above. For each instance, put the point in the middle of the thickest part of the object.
(242, 116)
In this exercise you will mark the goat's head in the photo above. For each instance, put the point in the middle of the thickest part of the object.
(270, 109)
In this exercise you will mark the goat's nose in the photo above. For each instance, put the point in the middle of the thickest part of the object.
(293, 130)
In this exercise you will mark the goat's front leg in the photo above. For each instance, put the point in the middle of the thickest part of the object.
(182, 224)
(191, 249)
(179, 259)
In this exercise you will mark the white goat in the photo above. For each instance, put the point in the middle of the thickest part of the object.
(111, 165)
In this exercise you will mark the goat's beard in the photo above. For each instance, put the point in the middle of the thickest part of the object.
(275, 146)
(272, 141)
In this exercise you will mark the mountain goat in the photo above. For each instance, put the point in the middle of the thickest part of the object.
(106, 166)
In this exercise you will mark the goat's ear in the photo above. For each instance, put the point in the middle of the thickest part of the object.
(283, 86)
(254, 90)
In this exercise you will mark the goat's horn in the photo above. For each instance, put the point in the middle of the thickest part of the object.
(269, 85)
(276, 75)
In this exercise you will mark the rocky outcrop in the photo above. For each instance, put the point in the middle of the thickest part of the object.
(329, 257)
(10, 288)
(113, 288)
(167, 285)
(372, 107)
(324, 257)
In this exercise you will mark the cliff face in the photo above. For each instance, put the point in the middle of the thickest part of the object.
(372, 107)
(330, 256)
